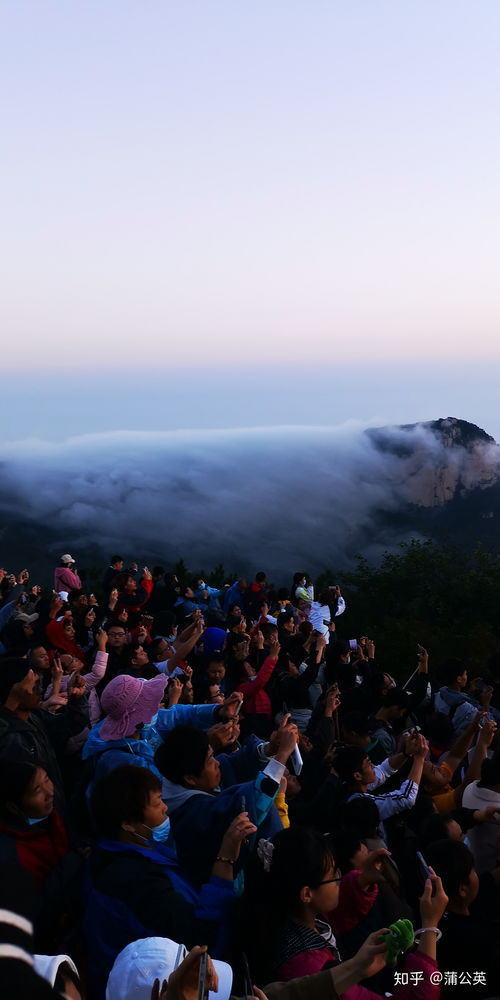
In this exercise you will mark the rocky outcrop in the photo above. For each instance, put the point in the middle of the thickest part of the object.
(432, 469)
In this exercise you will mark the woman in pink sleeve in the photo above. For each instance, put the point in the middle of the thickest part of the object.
(301, 885)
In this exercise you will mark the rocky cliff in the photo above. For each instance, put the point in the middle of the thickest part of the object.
(455, 458)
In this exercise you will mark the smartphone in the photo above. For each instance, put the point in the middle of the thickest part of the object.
(181, 954)
(353, 643)
(71, 681)
(425, 870)
(296, 759)
(247, 979)
(202, 977)
(238, 707)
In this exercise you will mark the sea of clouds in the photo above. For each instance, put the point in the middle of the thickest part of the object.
(284, 498)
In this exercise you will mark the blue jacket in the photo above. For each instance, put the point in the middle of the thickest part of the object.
(137, 893)
(234, 596)
(199, 821)
(109, 754)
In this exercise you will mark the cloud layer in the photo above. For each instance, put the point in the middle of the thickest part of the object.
(282, 498)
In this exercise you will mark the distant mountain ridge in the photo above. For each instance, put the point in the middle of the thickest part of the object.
(466, 458)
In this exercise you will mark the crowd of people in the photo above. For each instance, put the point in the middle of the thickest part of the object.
(218, 790)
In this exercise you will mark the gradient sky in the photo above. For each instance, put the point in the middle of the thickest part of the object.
(224, 213)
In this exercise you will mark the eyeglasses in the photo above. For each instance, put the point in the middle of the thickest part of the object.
(326, 881)
(116, 635)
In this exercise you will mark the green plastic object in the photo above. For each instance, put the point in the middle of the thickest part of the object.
(399, 938)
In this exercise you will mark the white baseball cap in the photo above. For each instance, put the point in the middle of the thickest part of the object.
(143, 961)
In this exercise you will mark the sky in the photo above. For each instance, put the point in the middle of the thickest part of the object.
(246, 214)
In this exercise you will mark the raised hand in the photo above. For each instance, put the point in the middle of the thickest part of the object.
(239, 830)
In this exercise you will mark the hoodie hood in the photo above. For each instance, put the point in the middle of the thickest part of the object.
(176, 795)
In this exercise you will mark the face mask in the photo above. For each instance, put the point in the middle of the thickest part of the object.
(158, 834)
(31, 821)
(161, 833)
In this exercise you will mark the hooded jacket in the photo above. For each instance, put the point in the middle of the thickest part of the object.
(199, 819)
(65, 580)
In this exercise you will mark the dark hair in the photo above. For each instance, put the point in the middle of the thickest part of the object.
(347, 760)
(434, 828)
(327, 596)
(15, 778)
(129, 653)
(14, 669)
(396, 697)
(183, 751)
(235, 639)
(260, 577)
(297, 577)
(453, 862)
(268, 629)
(346, 841)
(233, 621)
(120, 580)
(122, 796)
(301, 857)
(215, 657)
(439, 730)
(490, 772)
(450, 670)
(74, 594)
(115, 559)
(355, 722)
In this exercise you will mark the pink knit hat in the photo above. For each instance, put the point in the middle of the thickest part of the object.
(128, 701)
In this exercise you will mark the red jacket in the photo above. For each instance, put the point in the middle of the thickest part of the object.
(38, 848)
(256, 701)
(134, 601)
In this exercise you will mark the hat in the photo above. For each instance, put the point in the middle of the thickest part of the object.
(127, 701)
(47, 966)
(67, 558)
(26, 619)
(143, 961)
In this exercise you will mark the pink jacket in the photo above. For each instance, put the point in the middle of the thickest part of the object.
(65, 579)
(308, 962)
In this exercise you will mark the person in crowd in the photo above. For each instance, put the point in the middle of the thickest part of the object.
(361, 777)
(65, 576)
(199, 809)
(480, 795)
(243, 735)
(299, 885)
(138, 887)
(451, 698)
(328, 606)
(470, 925)
(33, 733)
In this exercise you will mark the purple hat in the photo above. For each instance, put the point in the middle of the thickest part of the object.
(127, 701)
